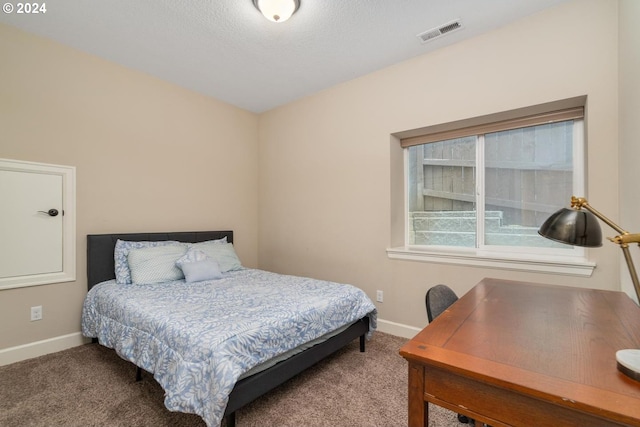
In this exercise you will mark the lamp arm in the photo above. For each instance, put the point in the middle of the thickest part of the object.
(622, 240)
(626, 238)
(632, 269)
(580, 202)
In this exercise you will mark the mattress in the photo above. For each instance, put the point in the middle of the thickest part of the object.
(199, 338)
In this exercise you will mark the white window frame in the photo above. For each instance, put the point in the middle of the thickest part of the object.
(570, 261)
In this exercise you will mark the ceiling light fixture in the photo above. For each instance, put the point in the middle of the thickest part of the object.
(277, 10)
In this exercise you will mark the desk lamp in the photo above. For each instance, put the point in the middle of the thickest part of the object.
(580, 228)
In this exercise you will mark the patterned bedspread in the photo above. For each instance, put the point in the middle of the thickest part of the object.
(198, 338)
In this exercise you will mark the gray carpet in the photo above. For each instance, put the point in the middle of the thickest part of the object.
(91, 386)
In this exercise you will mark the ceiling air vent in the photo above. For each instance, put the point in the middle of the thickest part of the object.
(440, 31)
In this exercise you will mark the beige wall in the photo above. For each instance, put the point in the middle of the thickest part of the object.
(150, 156)
(629, 127)
(326, 162)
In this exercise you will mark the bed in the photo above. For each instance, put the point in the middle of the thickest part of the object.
(205, 367)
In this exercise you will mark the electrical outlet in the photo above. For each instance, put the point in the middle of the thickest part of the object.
(379, 296)
(36, 313)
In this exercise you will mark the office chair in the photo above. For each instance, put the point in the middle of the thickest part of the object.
(437, 300)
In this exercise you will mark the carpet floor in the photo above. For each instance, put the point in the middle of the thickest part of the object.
(90, 385)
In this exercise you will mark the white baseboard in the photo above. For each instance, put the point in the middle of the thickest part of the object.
(40, 348)
(52, 345)
(397, 329)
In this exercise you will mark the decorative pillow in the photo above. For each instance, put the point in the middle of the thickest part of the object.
(156, 264)
(197, 266)
(223, 254)
(121, 251)
(206, 243)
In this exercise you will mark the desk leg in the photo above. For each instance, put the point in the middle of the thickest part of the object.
(418, 409)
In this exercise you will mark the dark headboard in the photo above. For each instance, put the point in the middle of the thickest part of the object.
(100, 262)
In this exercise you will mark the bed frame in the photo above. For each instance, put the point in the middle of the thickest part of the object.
(101, 267)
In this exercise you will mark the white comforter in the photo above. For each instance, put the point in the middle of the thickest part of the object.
(198, 338)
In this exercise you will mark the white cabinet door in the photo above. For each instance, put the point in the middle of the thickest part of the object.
(30, 237)
(37, 244)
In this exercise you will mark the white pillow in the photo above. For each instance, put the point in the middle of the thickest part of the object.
(223, 254)
(156, 264)
(121, 252)
(207, 243)
(197, 267)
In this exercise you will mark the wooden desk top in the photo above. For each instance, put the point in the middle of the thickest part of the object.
(553, 343)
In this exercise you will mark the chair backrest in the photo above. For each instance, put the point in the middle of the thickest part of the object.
(438, 299)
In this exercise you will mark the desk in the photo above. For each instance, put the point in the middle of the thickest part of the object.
(521, 354)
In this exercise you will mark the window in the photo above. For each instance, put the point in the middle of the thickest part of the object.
(483, 191)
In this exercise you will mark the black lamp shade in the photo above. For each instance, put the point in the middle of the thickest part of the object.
(573, 227)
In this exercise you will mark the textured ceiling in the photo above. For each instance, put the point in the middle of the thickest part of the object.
(227, 50)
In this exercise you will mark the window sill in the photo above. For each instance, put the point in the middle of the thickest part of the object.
(573, 266)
